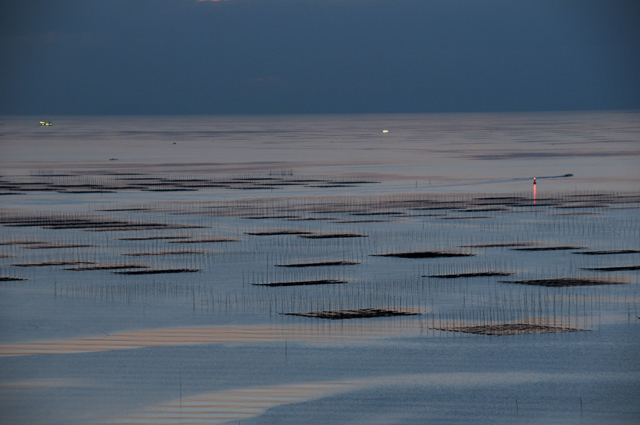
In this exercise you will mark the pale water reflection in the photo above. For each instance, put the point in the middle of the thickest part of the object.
(212, 335)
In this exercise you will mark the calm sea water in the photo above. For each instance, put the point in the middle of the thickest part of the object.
(451, 152)
(87, 347)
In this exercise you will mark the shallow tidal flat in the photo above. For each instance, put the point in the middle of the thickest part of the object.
(275, 283)
(289, 295)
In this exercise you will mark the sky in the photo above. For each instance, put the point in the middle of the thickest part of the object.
(317, 56)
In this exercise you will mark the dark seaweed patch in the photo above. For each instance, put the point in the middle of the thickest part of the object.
(58, 246)
(508, 329)
(11, 279)
(361, 221)
(465, 218)
(157, 271)
(609, 252)
(304, 283)
(498, 245)
(52, 263)
(22, 243)
(153, 238)
(333, 235)
(566, 281)
(92, 224)
(355, 314)
(107, 267)
(475, 274)
(320, 264)
(270, 217)
(278, 232)
(614, 269)
(549, 248)
(143, 254)
(380, 213)
(207, 240)
(425, 254)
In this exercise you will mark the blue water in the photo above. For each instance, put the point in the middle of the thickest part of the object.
(394, 370)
